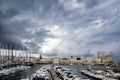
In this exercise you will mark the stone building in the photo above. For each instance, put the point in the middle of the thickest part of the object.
(104, 59)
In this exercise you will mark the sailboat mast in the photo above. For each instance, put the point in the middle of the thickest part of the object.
(8, 51)
(12, 54)
(8, 55)
(0, 50)
(0, 57)
(30, 56)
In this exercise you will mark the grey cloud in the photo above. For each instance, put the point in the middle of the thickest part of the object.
(33, 46)
(10, 12)
(28, 19)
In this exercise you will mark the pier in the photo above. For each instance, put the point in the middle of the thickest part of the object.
(54, 75)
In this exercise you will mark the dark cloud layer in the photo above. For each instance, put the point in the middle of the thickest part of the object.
(63, 28)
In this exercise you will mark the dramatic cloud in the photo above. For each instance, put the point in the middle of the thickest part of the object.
(63, 27)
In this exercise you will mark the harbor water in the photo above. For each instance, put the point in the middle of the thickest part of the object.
(76, 69)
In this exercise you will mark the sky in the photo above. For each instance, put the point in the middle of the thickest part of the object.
(62, 27)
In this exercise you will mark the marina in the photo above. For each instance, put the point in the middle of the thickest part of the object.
(57, 68)
(54, 73)
(57, 72)
(59, 39)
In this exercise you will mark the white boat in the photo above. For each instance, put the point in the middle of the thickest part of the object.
(41, 74)
(99, 74)
(4, 72)
(12, 70)
(65, 74)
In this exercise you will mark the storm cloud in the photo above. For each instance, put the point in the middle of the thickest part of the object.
(62, 27)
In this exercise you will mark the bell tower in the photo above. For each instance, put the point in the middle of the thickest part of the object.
(98, 54)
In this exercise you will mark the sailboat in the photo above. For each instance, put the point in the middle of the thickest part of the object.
(1, 59)
(28, 63)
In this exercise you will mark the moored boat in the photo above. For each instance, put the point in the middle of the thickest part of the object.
(41, 74)
(66, 74)
(101, 75)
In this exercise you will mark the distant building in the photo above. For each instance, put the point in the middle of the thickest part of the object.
(104, 59)
(65, 61)
(56, 60)
(98, 54)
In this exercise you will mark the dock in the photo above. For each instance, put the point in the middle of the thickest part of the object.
(97, 76)
(54, 75)
(91, 75)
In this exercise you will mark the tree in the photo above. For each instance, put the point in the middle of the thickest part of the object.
(78, 58)
(71, 57)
